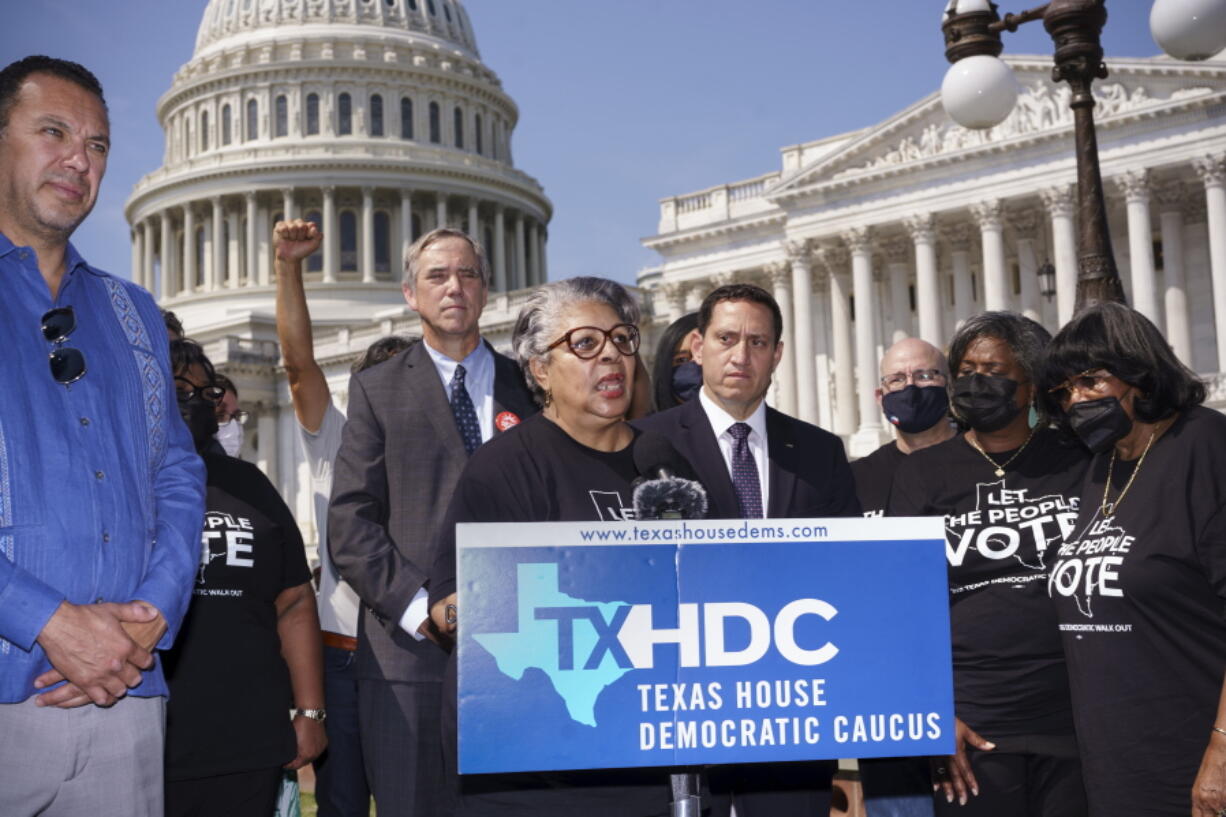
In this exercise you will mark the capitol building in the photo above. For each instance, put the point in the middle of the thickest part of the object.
(910, 225)
(376, 119)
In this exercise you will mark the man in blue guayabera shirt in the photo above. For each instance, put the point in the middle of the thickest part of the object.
(101, 493)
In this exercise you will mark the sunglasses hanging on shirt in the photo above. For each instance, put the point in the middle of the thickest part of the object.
(67, 363)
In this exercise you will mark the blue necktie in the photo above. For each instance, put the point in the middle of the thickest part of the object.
(465, 414)
(745, 473)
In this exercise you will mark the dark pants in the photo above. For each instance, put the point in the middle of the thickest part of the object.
(402, 747)
(771, 789)
(896, 786)
(1038, 776)
(340, 777)
(243, 794)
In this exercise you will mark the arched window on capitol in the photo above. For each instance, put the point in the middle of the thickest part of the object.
(204, 131)
(477, 133)
(344, 115)
(198, 249)
(376, 115)
(312, 115)
(349, 241)
(282, 117)
(226, 124)
(253, 120)
(458, 121)
(436, 127)
(406, 118)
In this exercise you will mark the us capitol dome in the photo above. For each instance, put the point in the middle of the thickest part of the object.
(375, 118)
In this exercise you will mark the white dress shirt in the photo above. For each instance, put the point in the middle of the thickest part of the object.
(479, 382)
(721, 421)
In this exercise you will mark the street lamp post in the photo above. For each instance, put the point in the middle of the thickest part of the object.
(977, 93)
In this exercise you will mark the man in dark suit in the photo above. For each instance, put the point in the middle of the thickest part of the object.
(413, 421)
(756, 462)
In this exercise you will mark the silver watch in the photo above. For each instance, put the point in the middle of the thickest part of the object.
(313, 714)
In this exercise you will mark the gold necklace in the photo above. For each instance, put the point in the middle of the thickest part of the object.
(1001, 466)
(1109, 508)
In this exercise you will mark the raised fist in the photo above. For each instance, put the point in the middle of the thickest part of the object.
(295, 240)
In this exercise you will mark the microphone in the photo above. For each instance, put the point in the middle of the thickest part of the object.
(660, 493)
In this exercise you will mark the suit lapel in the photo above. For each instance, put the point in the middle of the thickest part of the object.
(699, 438)
(783, 456)
(510, 392)
(424, 381)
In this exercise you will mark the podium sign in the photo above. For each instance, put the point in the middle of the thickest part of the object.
(665, 643)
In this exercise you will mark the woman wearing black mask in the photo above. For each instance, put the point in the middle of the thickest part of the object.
(1008, 488)
(676, 378)
(1140, 584)
(249, 649)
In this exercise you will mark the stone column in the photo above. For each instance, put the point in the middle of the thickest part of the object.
(1212, 171)
(835, 259)
(533, 273)
(189, 249)
(440, 210)
(869, 435)
(821, 337)
(927, 285)
(232, 249)
(802, 329)
(218, 267)
(542, 257)
(165, 255)
(138, 255)
(1175, 299)
(1134, 184)
(368, 235)
(253, 245)
(474, 226)
(694, 293)
(1059, 203)
(674, 297)
(779, 273)
(406, 226)
(287, 204)
(521, 253)
(501, 283)
(332, 239)
(266, 452)
(1025, 224)
(896, 248)
(988, 214)
(958, 236)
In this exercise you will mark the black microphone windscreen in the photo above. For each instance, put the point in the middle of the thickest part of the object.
(653, 452)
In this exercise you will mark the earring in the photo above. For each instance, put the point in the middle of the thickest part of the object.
(548, 398)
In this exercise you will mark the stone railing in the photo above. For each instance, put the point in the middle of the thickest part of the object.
(715, 204)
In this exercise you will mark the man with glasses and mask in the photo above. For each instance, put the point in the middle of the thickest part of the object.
(914, 399)
(101, 491)
(413, 422)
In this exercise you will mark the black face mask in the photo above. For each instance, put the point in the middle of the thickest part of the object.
(1099, 424)
(985, 402)
(201, 418)
(687, 380)
(915, 409)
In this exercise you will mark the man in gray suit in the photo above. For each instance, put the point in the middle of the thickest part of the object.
(413, 421)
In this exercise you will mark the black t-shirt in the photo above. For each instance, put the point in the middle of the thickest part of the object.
(229, 686)
(1009, 672)
(875, 475)
(1141, 598)
(539, 473)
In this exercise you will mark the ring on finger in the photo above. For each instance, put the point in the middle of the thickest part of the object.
(942, 771)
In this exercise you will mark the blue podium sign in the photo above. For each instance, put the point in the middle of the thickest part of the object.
(668, 643)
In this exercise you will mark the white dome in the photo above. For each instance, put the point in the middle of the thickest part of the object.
(227, 22)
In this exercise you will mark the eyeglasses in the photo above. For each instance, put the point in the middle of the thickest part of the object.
(67, 364)
(186, 390)
(586, 342)
(239, 415)
(920, 377)
(1091, 381)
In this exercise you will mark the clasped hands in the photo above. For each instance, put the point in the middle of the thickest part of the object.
(100, 649)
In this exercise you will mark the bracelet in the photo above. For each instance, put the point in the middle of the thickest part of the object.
(1218, 730)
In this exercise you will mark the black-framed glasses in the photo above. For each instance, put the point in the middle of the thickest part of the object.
(920, 377)
(67, 363)
(586, 342)
(186, 390)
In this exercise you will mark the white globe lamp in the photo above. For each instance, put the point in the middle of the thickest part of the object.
(1189, 29)
(979, 91)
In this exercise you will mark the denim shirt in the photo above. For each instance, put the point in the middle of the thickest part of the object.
(101, 491)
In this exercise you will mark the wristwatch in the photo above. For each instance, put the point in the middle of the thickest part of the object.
(314, 714)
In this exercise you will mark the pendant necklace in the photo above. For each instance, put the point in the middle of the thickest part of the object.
(1000, 466)
(1109, 508)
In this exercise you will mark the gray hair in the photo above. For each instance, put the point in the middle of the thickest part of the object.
(413, 254)
(537, 324)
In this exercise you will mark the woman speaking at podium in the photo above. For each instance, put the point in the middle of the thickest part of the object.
(1008, 489)
(574, 461)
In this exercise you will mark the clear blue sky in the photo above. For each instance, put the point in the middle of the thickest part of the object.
(622, 103)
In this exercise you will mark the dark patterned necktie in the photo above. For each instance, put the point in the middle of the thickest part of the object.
(745, 473)
(465, 414)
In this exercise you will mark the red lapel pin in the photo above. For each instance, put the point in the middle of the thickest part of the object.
(505, 420)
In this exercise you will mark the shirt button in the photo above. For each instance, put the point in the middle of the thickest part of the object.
(106, 537)
(84, 421)
(99, 475)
